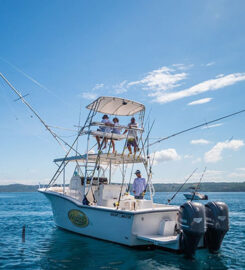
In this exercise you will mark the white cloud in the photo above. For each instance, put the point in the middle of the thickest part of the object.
(165, 155)
(89, 95)
(240, 169)
(182, 66)
(121, 87)
(205, 86)
(197, 160)
(215, 154)
(188, 156)
(212, 126)
(98, 86)
(200, 101)
(161, 79)
(210, 64)
(220, 75)
(211, 175)
(200, 141)
(237, 175)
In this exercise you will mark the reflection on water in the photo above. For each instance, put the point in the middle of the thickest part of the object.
(47, 247)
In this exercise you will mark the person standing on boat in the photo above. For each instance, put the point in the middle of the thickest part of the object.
(105, 128)
(116, 130)
(132, 136)
(139, 186)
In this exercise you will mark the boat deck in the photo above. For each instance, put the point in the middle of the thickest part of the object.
(128, 204)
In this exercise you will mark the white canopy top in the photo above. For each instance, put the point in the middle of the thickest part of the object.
(116, 106)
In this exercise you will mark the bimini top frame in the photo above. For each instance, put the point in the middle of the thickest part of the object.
(116, 106)
(104, 159)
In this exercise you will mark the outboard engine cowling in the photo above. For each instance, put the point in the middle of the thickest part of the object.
(217, 222)
(192, 225)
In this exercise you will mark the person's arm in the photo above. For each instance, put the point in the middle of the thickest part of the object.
(125, 131)
(109, 124)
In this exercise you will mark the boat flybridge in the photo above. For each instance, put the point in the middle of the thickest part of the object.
(97, 201)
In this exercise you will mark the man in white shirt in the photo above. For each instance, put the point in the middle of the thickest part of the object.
(139, 186)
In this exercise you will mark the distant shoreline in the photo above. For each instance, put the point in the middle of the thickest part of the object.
(205, 187)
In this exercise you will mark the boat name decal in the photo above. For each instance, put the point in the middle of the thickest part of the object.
(78, 218)
(121, 215)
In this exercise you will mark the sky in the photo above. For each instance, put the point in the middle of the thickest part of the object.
(184, 60)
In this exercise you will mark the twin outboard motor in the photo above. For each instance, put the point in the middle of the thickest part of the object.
(217, 222)
(192, 225)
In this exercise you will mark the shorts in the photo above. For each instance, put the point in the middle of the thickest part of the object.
(116, 132)
(139, 197)
(132, 142)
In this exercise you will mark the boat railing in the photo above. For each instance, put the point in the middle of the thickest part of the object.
(100, 124)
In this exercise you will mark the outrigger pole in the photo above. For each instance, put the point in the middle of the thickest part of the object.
(29, 106)
(55, 136)
(198, 126)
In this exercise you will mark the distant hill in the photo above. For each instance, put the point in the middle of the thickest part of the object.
(18, 188)
(205, 187)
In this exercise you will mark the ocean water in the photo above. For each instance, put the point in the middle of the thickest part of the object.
(47, 247)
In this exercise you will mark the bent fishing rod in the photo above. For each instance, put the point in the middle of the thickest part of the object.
(195, 127)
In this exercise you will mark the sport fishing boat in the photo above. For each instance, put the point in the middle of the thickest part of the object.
(194, 195)
(96, 205)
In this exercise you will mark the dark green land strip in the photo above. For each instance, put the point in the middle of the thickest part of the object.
(205, 187)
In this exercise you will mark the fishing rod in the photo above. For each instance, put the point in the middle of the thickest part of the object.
(149, 177)
(198, 184)
(146, 139)
(198, 126)
(169, 200)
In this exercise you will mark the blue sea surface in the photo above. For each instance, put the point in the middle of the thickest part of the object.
(48, 247)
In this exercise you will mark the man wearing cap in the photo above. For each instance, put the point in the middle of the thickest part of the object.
(139, 186)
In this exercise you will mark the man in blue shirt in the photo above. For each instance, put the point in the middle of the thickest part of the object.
(139, 186)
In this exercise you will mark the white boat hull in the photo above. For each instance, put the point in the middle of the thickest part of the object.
(139, 228)
(196, 197)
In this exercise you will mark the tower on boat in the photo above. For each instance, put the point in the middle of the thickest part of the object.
(98, 203)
